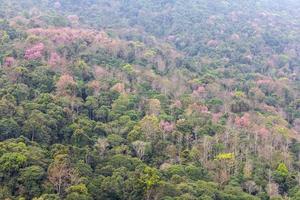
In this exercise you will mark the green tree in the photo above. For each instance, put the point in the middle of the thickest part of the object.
(9, 128)
(151, 180)
(31, 178)
(11, 163)
(76, 192)
(36, 127)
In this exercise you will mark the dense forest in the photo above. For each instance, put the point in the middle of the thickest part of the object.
(150, 99)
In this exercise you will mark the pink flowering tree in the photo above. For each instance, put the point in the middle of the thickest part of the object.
(199, 91)
(34, 52)
(200, 108)
(67, 35)
(167, 126)
(9, 61)
(263, 133)
(54, 59)
(177, 104)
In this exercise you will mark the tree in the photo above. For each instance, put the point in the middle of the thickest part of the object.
(48, 197)
(240, 106)
(9, 61)
(121, 105)
(140, 148)
(150, 127)
(55, 60)
(79, 191)
(284, 179)
(34, 52)
(83, 130)
(151, 180)
(154, 107)
(31, 178)
(119, 87)
(11, 163)
(243, 121)
(61, 174)
(9, 128)
(37, 127)
(7, 108)
(101, 146)
(225, 163)
(282, 170)
(82, 70)
(66, 85)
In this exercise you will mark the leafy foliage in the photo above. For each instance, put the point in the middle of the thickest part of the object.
(164, 99)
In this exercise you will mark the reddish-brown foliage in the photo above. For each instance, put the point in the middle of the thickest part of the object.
(95, 86)
(264, 81)
(65, 84)
(199, 108)
(119, 87)
(99, 72)
(243, 121)
(216, 117)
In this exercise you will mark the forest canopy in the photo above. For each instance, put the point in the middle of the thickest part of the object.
(149, 99)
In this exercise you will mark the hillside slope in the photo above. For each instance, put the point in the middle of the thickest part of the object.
(149, 99)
